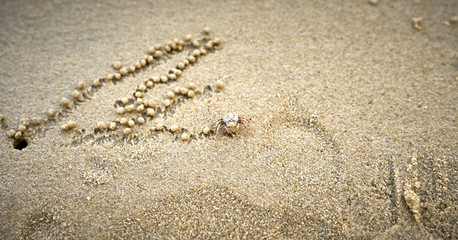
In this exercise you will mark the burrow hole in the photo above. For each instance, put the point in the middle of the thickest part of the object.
(20, 144)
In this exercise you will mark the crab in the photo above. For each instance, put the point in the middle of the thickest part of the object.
(231, 123)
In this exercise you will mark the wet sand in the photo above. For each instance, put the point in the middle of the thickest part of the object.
(352, 131)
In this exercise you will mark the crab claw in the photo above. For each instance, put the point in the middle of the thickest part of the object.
(232, 125)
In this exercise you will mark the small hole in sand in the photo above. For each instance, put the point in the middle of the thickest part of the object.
(20, 144)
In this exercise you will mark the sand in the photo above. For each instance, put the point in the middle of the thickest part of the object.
(352, 131)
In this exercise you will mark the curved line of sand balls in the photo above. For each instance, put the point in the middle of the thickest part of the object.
(80, 95)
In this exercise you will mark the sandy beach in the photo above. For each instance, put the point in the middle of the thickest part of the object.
(109, 116)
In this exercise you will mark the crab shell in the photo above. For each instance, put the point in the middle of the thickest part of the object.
(230, 120)
(231, 123)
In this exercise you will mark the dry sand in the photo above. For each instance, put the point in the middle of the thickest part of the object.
(353, 131)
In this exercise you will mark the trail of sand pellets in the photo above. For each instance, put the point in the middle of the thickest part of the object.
(133, 110)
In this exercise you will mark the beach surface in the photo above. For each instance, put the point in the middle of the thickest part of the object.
(349, 108)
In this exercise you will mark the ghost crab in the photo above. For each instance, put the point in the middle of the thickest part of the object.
(231, 123)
